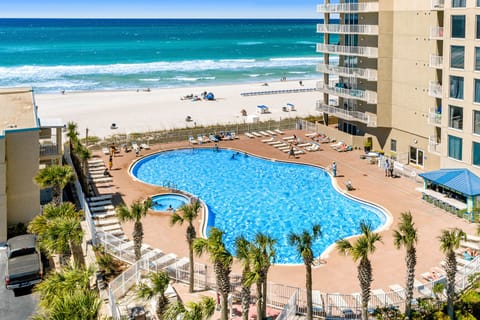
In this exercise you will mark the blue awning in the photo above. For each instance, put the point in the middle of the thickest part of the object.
(460, 180)
(262, 107)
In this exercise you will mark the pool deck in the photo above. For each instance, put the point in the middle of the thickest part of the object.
(339, 273)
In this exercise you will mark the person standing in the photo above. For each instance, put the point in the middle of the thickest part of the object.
(334, 168)
(387, 167)
(390, 169)
(110, 162)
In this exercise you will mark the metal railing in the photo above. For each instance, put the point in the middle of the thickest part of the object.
(369, 52)
(434, 146)
(434, 89)
(348, 28)
(348, 7)
(369, 119)
(436, 33)
(436, 61)
(369, 74)
(438, 4)
(364, 95)
(434, 117)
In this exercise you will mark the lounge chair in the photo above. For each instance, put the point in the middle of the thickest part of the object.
(268, 140)
(336, 145)
(313, 147)
(311, 135)
(212, 138)
(289, 138)
(270, 132)
(281, 145)
(305, 144)
(264, 133)
(256, 134)
(234, 135)
(105, 150)
(192, 140)
(145, 146)
(206, 139)
(249, 135)
(274, 142)
(279, 131)
(200, 139)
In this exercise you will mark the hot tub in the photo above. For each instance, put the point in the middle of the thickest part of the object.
(168, 201)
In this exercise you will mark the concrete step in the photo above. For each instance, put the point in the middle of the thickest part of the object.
(100, 203)
(105, 222)
(100, 198)
(102, 208)
(104, 214)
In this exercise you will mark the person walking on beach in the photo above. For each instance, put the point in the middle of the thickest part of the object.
(390, 169)
(110, 163)
(291, 152)
(334, 168)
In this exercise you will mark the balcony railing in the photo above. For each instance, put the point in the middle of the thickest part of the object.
(348, 7)
(435, 117)
(369, 74)
(436, 33)
(369, 119)
(363, 95)
(438, 4)
(348, 28)
(369, 52)
(49, 150)
(434, 145)
(435, 89)
(436, 61)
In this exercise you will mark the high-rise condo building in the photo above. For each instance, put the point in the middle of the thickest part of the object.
(405, 76)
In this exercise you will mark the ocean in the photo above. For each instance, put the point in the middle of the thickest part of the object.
(52, 55)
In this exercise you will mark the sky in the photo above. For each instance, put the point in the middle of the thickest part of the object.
(159, 8)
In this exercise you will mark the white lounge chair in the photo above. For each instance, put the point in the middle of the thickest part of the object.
(264, 133)
(314, 147)
(268, 140)
(271, 132)
(145, 146)
(249, 135)
(275, 142)
(279, 131)
(289, 138)
(192, 140)
(311, 135)
(105, 150)
(256, 134)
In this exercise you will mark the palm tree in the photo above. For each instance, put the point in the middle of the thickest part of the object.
(363, 246)
(222, 263)
(189, 214)
(303, 242)
(262, 255)
(72, 134)
(137, 211)
(158, 285)
(84, 154)
(244, 254)
(67, 295)
(449, 242)
(59, 230)
(55, 177)
(202, 310)
(406, 236)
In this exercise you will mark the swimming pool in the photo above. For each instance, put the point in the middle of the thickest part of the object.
(247, 194)
(163, 202)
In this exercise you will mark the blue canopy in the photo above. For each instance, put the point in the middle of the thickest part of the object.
(461, 180)
(262, 107)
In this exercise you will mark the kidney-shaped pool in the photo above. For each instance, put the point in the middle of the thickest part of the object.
(247, 194)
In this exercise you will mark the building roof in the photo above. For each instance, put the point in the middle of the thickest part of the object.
(17, 109)
(460, 180)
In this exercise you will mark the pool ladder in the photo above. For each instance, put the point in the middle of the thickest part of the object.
(169, 185)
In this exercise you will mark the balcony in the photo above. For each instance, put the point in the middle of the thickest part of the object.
(369, 119)
(348, 7)
(438, 4)
(435, 89)
(369, 52)
(434, 145)
(435, 117)
(348, 28)
(363, 95)
(48, 151)
(369, 74)
(436, 61)
(436, 33)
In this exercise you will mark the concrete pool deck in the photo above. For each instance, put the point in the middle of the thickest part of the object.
(339, 273)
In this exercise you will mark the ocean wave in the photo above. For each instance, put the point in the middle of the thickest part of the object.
(250, 43)
(306, 42)
(191, 79)
(44, 73)
(149, 79)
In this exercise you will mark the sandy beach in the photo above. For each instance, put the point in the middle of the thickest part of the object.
(158, 109)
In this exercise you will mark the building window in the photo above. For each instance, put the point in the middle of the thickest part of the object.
(456, 87)
(476, 98)
(476, 154)
(455, 117)
(476, 122)
(458, 26)
(455, 147)
(458, 3)
(477, 58)
(393, 145)
(457, 57)
(477, 28)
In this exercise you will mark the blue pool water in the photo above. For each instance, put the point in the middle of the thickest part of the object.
(162, 202)
(247, 194)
